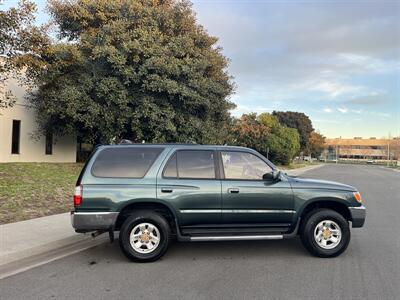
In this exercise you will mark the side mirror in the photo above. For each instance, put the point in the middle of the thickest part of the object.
(272, 176)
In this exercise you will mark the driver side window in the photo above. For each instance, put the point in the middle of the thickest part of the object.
(242, 165)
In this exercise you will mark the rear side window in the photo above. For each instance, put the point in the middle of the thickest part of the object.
(125, 162)
(187, 164)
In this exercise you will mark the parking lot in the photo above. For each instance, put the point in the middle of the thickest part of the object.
(369, 269)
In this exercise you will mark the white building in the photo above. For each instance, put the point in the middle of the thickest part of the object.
(17, 124)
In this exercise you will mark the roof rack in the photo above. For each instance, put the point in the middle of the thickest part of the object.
(125, 142)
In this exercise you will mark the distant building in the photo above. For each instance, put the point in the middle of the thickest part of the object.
(17, 124)
(359, 148)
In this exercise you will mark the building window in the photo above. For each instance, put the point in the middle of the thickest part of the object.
(15, 136)
(49, 143)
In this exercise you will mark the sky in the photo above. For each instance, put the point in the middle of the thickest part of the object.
(336, 61)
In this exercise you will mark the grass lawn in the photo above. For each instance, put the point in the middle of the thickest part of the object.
(31, 190)
(393, 167)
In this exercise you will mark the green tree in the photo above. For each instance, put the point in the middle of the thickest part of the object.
(20, 39)
(283, 142)
(266, 135)
(316, 144)
(297, 120)
(142, 70)
(249, 132)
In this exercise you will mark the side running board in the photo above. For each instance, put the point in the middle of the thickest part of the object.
(235, 238)
(187, 238)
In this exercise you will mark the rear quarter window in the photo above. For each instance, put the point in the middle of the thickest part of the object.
(125, 162)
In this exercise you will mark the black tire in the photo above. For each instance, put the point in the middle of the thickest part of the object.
(310, 222)
(144, 216)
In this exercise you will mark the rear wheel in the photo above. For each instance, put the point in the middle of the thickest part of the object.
(325, 233)
(144, 236)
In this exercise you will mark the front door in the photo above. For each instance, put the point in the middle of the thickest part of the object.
(189, 182)
(248, 199)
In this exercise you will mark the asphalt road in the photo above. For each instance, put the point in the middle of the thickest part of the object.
(369, 269)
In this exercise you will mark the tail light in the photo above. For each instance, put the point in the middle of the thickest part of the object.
(78, 195)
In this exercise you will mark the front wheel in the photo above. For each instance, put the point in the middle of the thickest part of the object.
(325, 233)
(144, 236)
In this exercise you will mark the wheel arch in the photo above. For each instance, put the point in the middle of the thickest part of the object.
(153, 204)
(338, 205)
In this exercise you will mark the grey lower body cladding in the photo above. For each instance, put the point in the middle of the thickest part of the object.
(358, 215)
(90, 221)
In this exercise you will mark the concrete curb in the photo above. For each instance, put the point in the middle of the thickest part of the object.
(50, 253)
(394, 170)
(26, 244)
(36, 250)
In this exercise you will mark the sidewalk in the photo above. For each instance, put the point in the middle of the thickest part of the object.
(33, 242)
(26, 244)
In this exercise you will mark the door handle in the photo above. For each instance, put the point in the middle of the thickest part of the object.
(233, 190)
(166, 190)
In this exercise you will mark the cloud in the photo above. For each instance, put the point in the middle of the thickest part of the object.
(373, 99)
(364, 63)
(331, 88)
(334, 60)
(381, 115)
(244, 109)
(321, 49)
(343, 110)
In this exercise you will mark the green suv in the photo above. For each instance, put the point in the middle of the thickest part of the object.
(154, 193)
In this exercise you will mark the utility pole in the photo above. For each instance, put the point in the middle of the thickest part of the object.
(336, 153)
(337, 150)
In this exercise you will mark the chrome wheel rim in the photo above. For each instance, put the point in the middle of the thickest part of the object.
(327, 234)
(144, 238)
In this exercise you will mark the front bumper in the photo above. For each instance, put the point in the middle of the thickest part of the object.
(358, 215)
(90, 221)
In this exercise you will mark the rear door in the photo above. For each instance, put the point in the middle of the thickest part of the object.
(189, 181)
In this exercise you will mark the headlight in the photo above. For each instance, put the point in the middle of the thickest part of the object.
(357, 195)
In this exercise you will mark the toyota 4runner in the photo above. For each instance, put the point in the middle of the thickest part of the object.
(153, 193)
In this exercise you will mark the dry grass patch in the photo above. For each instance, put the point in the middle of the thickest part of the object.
(296, 165)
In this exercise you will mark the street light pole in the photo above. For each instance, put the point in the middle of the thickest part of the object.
(337, 150)
(336, 153)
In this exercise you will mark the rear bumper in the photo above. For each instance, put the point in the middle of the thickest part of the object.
(358, 215)
(90, 221)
